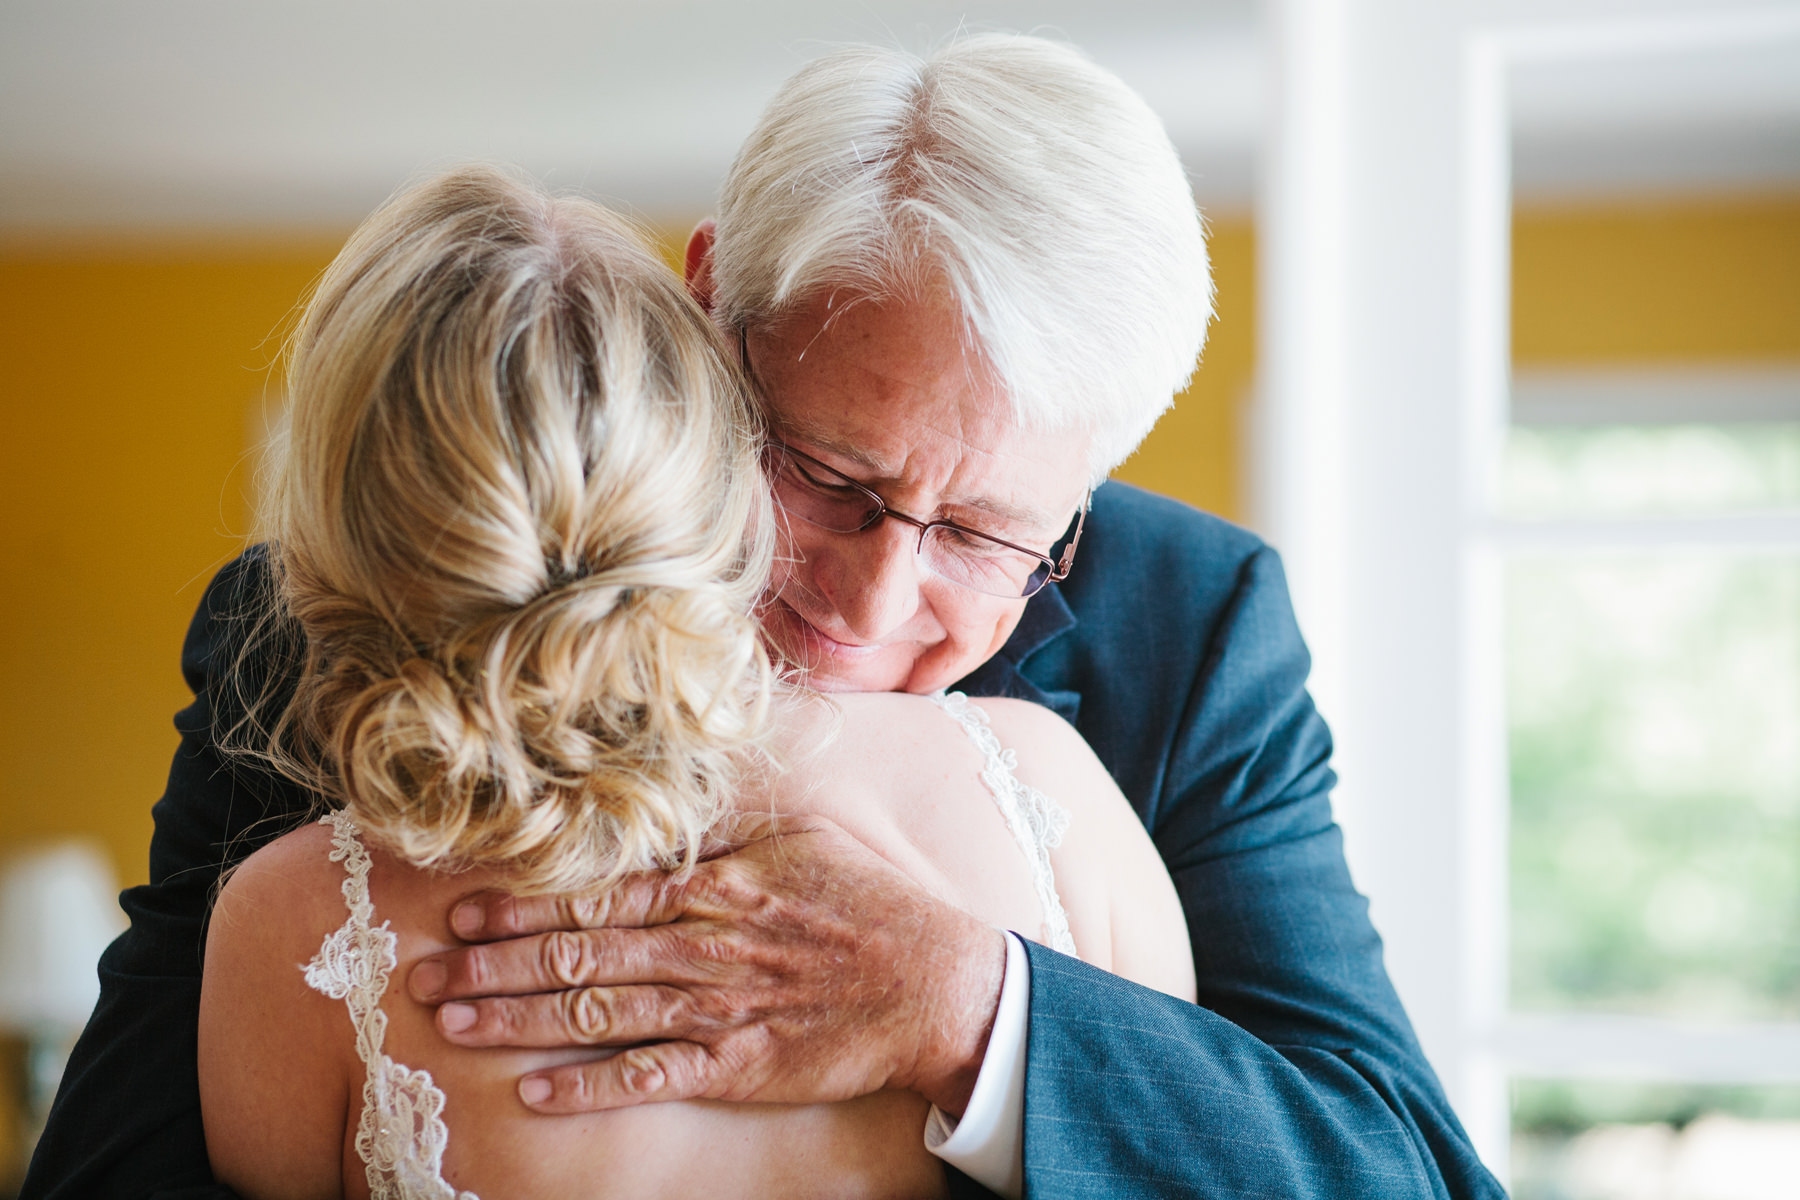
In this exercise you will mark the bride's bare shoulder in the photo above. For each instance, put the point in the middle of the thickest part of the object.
(282, 892)
(868, 724)
(1054, 758)
(1111, 857)
(1044, 741)
(870, 756)
(274, 1088)
(872, 726)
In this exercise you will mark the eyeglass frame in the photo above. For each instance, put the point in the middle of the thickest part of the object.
(1059, 568)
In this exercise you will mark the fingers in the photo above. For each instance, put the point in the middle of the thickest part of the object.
(648, 898)
(595, 1016)
(550, 962)
(637, 901)
(644, 1074)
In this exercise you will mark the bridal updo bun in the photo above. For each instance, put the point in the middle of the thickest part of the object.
(520, 524)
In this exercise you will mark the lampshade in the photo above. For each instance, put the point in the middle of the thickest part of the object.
(57, 913)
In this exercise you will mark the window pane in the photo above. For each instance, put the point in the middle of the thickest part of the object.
(1626, 470)
(1587, 1140)
(1654, 724)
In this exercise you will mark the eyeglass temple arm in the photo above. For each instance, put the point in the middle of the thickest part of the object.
(1067, 562)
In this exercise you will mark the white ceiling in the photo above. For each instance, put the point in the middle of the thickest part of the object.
(210, 113)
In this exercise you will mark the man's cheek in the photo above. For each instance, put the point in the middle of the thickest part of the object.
(787, 576)
(797, 559)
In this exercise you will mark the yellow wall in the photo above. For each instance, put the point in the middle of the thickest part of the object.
(129, 377)
(1678, 281)
(131, 374)
(1196, 450)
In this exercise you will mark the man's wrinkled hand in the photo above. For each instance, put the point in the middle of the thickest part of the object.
(799, 968)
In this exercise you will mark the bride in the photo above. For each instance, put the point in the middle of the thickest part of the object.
(519, 528)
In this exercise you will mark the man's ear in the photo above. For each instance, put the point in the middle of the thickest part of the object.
(698, 265)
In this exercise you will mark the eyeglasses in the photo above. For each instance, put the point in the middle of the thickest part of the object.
(827, 498)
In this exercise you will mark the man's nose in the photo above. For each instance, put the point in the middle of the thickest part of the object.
(872, 578)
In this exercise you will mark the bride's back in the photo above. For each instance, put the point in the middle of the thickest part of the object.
(891, 771)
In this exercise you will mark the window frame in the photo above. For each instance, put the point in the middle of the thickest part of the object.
(1382, 401)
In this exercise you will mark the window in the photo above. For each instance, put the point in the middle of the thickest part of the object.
(1651, 545)
(1555, 616)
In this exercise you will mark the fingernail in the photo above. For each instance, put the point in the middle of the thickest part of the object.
(465, 919)
(534, 1089)
(428, 979)
(456, 1017)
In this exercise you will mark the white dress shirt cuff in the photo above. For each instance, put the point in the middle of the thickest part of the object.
(988, 1143)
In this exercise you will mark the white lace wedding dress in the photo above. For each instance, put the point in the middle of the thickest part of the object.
(401, 1137)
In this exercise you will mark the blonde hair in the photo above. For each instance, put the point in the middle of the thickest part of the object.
(520, 524)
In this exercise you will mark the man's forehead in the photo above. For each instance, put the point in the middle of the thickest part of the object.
(889, 391)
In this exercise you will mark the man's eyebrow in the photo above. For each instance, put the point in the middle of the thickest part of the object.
(1011, 514)
(808, 434)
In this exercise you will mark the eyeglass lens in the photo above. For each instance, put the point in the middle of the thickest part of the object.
(820, 496)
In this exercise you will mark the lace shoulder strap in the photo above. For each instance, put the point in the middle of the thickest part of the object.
(1037, 822)
(401, 1137)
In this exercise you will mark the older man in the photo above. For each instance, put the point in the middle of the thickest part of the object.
(965, 289)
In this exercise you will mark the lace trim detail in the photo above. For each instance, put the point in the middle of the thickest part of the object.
(1037, 822)
(401, 1137)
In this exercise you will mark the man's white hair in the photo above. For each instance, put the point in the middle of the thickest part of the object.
(1038, 187)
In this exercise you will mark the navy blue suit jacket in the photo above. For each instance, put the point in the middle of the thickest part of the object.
(1173, 649)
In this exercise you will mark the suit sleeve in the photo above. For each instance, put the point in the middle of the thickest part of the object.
(126, 1120)
(1297, 1073)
